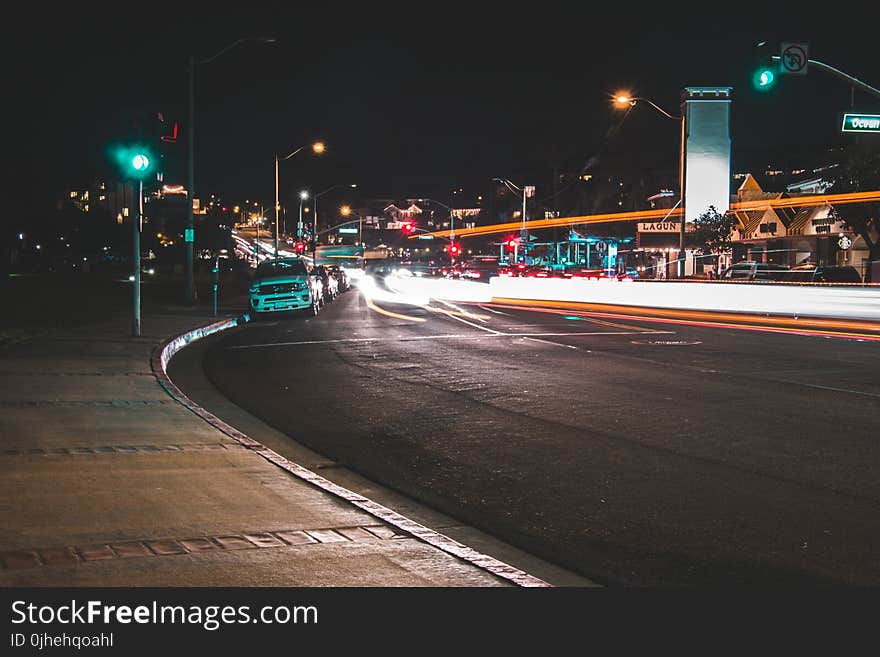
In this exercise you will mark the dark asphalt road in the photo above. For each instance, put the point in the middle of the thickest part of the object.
(744, 458)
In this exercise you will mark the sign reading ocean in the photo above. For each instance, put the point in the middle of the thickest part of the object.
(861, 123)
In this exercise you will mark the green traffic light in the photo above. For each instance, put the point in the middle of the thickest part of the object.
(764, 79)
(140, 162)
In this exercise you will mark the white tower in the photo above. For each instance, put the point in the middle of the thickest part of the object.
(706, 149)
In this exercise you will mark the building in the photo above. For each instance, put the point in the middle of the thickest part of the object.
(116, 199)
(794, 235)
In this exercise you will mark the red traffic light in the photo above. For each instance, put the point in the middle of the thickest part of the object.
(510, 243)
(407, 228)
(454, 249)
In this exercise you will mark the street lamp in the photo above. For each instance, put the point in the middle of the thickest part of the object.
(623, 99)
(303, 196)
(315, 218)
(189, 235)
(317, 148)
(345, 211)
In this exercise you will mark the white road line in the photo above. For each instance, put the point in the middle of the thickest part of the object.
(814, 385)
(555, 344)
(497, 312)
(464, 321)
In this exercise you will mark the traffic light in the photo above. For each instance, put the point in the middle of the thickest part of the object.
(137, 162)
(764, 78)
(454, 249)
(766, 69)
(407, 228)
(510, 243)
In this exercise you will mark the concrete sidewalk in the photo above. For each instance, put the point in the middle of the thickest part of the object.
(109, 481)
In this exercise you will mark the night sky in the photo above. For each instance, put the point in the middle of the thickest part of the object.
(413, 100)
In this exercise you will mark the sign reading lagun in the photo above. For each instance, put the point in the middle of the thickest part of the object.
(659, 227)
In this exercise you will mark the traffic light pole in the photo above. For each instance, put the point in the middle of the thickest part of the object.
(190, 182)
(277, 205)
(136, 320)
(864, 86)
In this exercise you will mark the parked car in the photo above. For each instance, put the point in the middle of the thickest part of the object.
(755, 271)
(284, 284)
(341, 275)
(330, 286)
(823, 274)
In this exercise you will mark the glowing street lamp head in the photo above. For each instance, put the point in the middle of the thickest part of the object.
(318, 147)
(303, 195)
(345, 211)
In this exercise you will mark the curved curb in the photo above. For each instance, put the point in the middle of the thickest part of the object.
(159, 361)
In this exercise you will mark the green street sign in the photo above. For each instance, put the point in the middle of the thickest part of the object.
(426, 237)
(861, 123)
(349, 231)
(188, 234)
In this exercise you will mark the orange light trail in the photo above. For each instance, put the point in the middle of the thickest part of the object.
(850, 329)
(648, 215)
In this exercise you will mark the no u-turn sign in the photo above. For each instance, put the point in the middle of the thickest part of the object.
(794, 58)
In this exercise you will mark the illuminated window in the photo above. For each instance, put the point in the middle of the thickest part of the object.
(72, 194)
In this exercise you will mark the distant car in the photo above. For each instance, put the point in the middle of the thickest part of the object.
(450, 271)
(823, 274)
(584, 272)
(755, 271)
(538, 271)
(512, 269)
(479, 270)
(284, 284)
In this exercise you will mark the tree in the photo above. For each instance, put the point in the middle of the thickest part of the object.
(712, 232)
(861, 172)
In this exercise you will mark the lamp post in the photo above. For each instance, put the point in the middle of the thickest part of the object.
(625, 99)
(315, 218)
(451, 213)
(189, 235)
(317, 148)
(526, 192)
